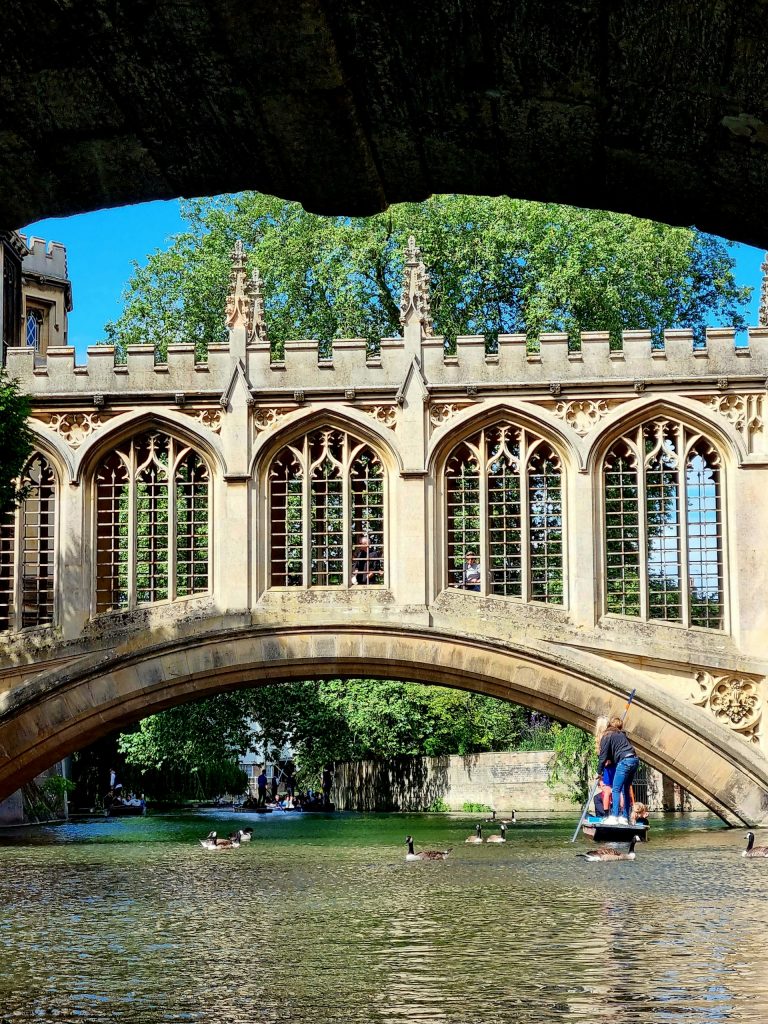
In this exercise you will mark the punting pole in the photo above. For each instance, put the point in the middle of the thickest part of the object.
(595, 783)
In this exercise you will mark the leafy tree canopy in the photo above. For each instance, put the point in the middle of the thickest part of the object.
(15, 440)
(497, 265)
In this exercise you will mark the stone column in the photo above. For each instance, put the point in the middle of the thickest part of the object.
(75, 561)
(584, 567)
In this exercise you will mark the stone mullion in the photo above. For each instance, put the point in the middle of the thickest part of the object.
(14, 620)
(173, 461)
(483, 522)
(132, 528)
(346, 512)
(306, 513)
(525, 519)
(642, 522)
(682, 515)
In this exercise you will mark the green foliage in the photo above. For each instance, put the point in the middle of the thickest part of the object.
(472, 808)
(438, 806)
(497, 265)
(575, 762)
(57, 786)
(15, 440)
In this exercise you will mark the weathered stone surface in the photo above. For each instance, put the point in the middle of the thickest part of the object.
(660, 111)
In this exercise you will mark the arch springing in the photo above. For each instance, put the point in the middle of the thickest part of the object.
(28, 551)
(504, 503)
(326, 511)
(663, 522)
(151, 501)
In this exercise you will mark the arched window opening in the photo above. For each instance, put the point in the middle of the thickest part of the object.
(152, 498)
(327, 513)
(663, 527)
(504, 507)
(27, 551)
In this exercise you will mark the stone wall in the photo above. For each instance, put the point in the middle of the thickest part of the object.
(504, 781)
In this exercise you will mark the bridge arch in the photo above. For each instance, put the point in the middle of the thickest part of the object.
(59, 711)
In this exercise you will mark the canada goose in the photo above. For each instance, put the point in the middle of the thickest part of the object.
(500, 838)
(425, 854)
(752, 850)
(477, 837)
(501, 821)
(610, 853)
(246, 835)
(211, 842)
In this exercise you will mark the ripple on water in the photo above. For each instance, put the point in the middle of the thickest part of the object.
(323, 918)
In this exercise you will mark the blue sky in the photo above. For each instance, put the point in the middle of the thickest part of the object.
(102, 246)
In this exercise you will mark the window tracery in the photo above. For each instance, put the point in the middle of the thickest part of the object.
(663, 526)
(326, 506)
(151, 500)
(503, 491)
(27, 551)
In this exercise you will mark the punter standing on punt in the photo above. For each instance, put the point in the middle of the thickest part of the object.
(616, 749)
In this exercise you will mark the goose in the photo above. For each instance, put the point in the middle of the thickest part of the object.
(610, 853)
(501, 821)
(500, 838)
(752, 850)
(477, 837)
(425, 854)
(246, 834)
(211, 842)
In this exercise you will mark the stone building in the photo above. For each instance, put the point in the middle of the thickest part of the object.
(193, 525)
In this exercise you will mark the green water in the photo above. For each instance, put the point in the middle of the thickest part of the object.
(321, 919)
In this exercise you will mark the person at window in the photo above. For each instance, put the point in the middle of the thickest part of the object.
(470, 574)
(366, 562)
(616, 749)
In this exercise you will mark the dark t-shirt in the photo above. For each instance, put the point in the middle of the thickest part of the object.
(614, 747)
(261, 782)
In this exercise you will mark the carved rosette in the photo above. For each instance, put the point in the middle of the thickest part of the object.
(75, 427)
(210, 418)
(444, 411)
(582, 414)
(384, 414)
(734, 701)
(266, 418)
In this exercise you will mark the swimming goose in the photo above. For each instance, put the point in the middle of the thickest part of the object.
(425, 854)
(752, 850)
(211, 842)
(501, 838)
(477, 837)
(610, 853)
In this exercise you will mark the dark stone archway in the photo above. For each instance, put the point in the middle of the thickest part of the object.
(655, 109)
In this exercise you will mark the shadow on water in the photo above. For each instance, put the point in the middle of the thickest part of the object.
(320, 917)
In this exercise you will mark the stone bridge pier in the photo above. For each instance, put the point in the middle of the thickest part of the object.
(547, 523)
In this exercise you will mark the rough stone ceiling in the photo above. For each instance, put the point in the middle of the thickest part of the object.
(655, 107)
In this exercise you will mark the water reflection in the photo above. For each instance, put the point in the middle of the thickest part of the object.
(130, 920)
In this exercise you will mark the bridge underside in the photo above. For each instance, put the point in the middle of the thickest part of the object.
(70, 706)
(350, 107)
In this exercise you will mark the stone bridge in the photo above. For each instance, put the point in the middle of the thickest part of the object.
(548, 524)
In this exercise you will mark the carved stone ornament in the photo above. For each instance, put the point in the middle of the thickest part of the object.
(415, 295)
(75, 427)
(349, 394)
(210, 418)
(440, 414)
(582, 414)
(384, 414)
(733, 700)
(555, 388)
(745, 413)
(639, 387)
(265, 419)
(237, 300)
(722, 383)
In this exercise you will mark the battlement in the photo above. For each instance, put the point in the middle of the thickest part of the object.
(46, 259)
(350, 364)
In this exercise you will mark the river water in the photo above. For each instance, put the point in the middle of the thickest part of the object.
(321, 918)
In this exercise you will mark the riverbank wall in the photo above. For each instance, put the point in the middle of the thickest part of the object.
(504, 780)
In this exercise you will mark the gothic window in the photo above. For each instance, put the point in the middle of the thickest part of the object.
(151, 500)
(33, 328)
(326, 506)
(27, 551)
(664, 527)
(503, 491)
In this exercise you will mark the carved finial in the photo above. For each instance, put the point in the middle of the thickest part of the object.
(237, 313)
(256, 323)
(415, 300)
(762, 316)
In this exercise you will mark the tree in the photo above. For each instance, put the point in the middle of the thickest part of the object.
(497, 265)
(15, 440)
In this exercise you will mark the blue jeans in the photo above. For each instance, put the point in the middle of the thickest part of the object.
(622, 780)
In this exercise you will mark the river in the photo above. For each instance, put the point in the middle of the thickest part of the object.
(320, 918)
